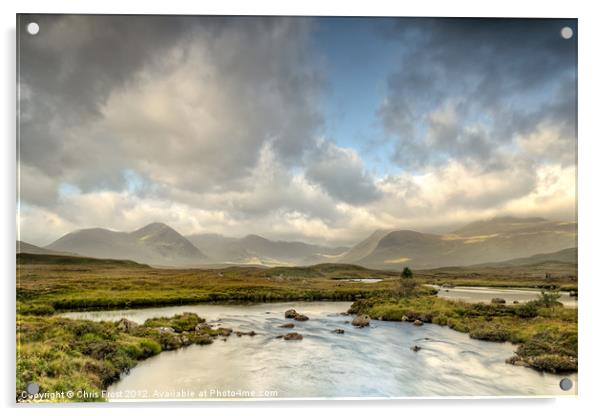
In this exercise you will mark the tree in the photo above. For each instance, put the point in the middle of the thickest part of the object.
(407, 273)
(407, 285)
(549, 298)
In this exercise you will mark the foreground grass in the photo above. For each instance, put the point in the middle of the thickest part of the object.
(85, 357)
(546, 334)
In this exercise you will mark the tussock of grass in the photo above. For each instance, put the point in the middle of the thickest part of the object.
(63, 354)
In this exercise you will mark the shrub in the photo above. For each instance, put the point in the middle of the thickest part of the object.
(548, 299)
(526, 310)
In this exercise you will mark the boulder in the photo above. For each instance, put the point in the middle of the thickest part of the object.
(339, 331)
(165, 330)
(289, 325)
(291, 313)
(293, 336)
(361, 321)
(416, 348)
(418, 322)
(405, 318)
(241, 333)
(515, 302)
(498, 300)
(125, 325)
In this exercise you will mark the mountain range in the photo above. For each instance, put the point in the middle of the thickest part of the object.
(156, 244)
(496, 240)
(500, 239)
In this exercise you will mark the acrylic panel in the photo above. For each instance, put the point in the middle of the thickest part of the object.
(248, 207)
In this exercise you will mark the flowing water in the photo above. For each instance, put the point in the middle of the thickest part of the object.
(376, 361)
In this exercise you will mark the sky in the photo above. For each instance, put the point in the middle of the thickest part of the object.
(296, 128)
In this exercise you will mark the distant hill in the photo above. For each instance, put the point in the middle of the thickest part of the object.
(23, 247)
(254, 249)
(156, 244)
(568, 256)
(496, 240)
(29, 258)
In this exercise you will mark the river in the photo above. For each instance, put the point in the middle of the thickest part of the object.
(475, 294)
(376, 361)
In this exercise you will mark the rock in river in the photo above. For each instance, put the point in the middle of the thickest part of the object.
(361, 321)
(291, 313)
(289, 325)
(498, 300)
(339, 331)
(293, 336)
(418, 322)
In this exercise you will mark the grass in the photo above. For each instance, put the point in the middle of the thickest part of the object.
(63, 355)
(74, 283)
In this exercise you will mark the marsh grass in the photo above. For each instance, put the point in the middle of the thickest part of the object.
(61, 354)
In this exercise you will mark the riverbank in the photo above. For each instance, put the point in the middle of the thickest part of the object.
(49, 284)
(333, 359)
(546, 334)
(85, 357)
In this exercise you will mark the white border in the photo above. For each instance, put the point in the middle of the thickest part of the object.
(590, 208)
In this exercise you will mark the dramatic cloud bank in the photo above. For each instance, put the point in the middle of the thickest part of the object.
(216, 124)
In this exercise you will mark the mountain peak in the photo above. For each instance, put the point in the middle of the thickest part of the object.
(255, 237)
(155, 226)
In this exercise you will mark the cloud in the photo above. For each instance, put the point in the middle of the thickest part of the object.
(340, 172)
(215, 124)
(467, 87)
(187, 102)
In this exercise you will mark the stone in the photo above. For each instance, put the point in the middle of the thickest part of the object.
(125, 325)
(361, 321)
(293, 336)
(291, 313)
(202, 326)
(165, 330)
(418, 322)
